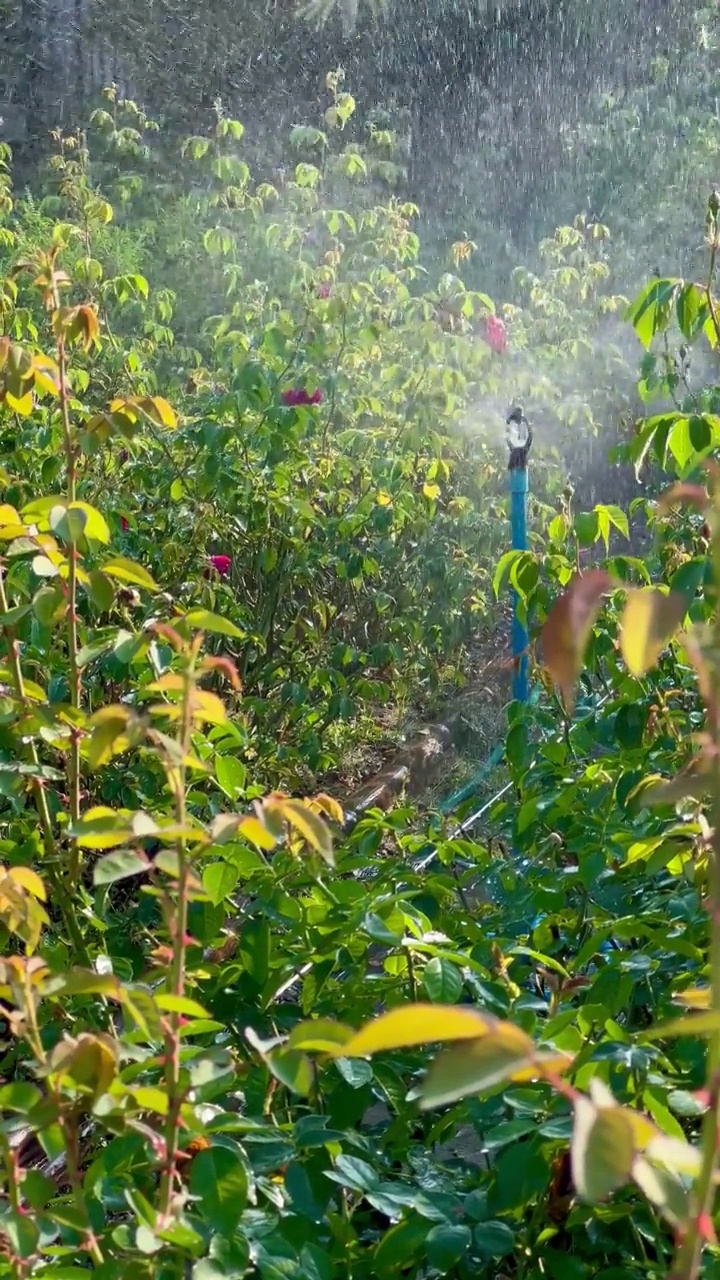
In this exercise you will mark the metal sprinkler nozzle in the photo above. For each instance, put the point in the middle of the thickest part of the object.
(519, 438)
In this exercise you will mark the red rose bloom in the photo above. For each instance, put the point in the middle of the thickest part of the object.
(496, 335)
(295, 396)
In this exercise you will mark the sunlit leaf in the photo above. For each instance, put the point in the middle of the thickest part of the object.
(308, 824)
(649, 621)
(204, 620)
(651, 311)
(418, 1024)
(696, 1024)
(476, 1065)
(319, 1036)
(127, 571)
(442, 980)
(602, 1149)
(568, 626)
(29, 880)
(118, 865)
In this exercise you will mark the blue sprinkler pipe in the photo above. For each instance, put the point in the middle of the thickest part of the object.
(519, 438)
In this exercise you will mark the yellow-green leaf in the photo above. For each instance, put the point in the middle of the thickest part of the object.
(204, 620)
(124, 570)
(96, 526)
(695, 1024)
(602, 1150)
(475, 1065)
(252, 830)
(104, 828)
(309, 825)
(418, 1024)
(29, 880)
(320, 1036)
(693, 997)
(650, 619)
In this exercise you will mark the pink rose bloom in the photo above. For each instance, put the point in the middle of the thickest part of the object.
(221, 564)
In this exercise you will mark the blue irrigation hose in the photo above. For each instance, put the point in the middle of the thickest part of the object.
(472, 785)
(427, 855)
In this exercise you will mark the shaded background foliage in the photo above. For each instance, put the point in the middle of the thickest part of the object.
(489, 96)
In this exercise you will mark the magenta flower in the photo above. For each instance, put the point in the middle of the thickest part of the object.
(124, 524)
(496, 335)
(221, 564)
(295, 396)
(323, 291)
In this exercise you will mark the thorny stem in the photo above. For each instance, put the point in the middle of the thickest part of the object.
(177, 922)
(66, 905)
(688, 1257)
(708, 287)
(74, 777)
(68, 1125)
(32, 1029)
(412, 979)
(12, 1170)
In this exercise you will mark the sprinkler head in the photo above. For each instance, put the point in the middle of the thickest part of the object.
(518, 429)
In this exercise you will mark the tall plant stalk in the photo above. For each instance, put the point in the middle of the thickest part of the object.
(700, 1230)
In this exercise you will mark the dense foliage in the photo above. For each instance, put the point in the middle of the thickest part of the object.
(252, 493)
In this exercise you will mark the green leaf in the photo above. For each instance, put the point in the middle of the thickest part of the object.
(650, 312)
(688, 579)
(255, 943)
(663, 1189)
(118, 865)
(46, 605)
(15, 615)
(219, 1179)
(319, 1036)
(502, 572)
(101, 591)
(204, 620)
(695, 1024)
(494, 1239)
(102, 828)
(692, 309)
(587, 527)
(231, 776)
(124, 570)
(410, 1026)
(180, 1004)
(442, 980)
(354, 1173)
(292, 1069)
(21, 1095)
(44, 568)
(219, 880)
(446, 1245)
(401, 1245)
